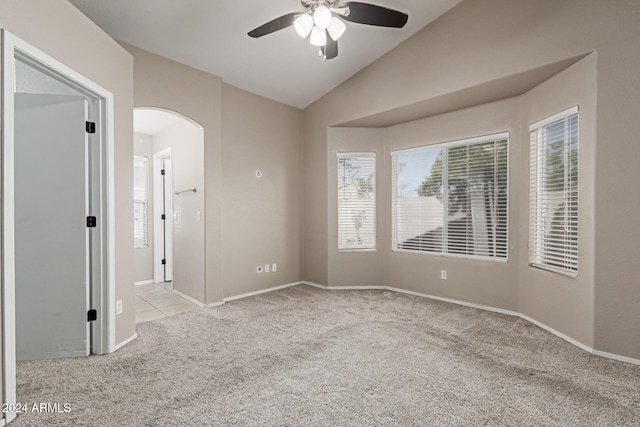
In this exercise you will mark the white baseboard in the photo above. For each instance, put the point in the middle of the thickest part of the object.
(315, 285)
(262, 291)
(188, 298)
(417, 294)
(144, 282)
(488, 308)
(214, 304)
(457, 302)
(448, 300)
(616, 357)
(125, 342)
(556, 333)
(344, 288)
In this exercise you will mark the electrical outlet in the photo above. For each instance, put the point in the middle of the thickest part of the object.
(443, 274)
(259, 269)
(273, 267)
(119, 306)
(266, 268)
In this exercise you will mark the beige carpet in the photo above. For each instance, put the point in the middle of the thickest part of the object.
(310, 357)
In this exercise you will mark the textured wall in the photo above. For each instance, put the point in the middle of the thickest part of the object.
(166, 84)
(187, 165)
(262, 216)
(61, 31)
(485, 43)
(248, 221)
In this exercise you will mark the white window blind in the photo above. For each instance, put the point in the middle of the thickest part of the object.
(356, 201)
(140, 201)
(452, 198)
(553, 203)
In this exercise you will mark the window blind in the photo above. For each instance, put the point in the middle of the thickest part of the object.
(356, 201)
(140, 201)
(553, 203)
(452, 198)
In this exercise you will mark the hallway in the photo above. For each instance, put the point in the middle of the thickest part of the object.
(154, 301)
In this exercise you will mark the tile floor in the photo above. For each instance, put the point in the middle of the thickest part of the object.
(154, 301)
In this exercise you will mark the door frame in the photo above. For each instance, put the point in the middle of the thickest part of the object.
(160, 236)
(103, 290)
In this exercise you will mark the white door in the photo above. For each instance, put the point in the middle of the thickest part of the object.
(168, 224)
(51, 234)
(163, 216)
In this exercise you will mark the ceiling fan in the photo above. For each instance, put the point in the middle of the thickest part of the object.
(323, 22)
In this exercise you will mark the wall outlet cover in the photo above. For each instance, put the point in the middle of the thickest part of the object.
(119, 306)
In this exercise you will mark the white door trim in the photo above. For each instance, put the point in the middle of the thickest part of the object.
(104, 297)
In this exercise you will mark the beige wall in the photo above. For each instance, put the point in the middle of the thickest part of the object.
(561, 302)
(485, 43)
(286, 216)
(262, 216)
(61, 31)
(248, 221)
(186, 141)
(143, 257)
(355, 268)
(165, 84)
(484, 282)
(617, 233)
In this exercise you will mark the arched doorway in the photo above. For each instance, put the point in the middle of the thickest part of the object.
(168, 210)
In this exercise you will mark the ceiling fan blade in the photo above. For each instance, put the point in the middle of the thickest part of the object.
(365, 13)
(330, 49)
(273, 26)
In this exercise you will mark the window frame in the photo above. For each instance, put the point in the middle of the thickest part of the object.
(537, 245)
(144, 242)
(445, 250)
(374, 237)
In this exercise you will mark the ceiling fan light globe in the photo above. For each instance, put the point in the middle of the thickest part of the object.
(318, 36)
(336, 28)
(303, 25)
(322, 17)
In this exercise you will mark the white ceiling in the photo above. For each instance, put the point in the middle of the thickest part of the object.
(151, 122)
(211, 35)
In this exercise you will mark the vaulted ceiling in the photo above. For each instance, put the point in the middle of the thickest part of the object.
(211, 35)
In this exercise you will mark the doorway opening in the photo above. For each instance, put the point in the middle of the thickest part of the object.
(173, 256)
(57, 212)
(163, 224)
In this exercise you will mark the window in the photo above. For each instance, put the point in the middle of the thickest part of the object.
(451, 199)
(140, 201)
(356, 201)
(553, 203)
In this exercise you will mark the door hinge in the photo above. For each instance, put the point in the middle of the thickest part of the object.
(91, 221)
(162, 217)
(92, 315)
(162, 172)
(164, 261)
(90, 127)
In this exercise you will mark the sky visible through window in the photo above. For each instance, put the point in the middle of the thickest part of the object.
(415, 169)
